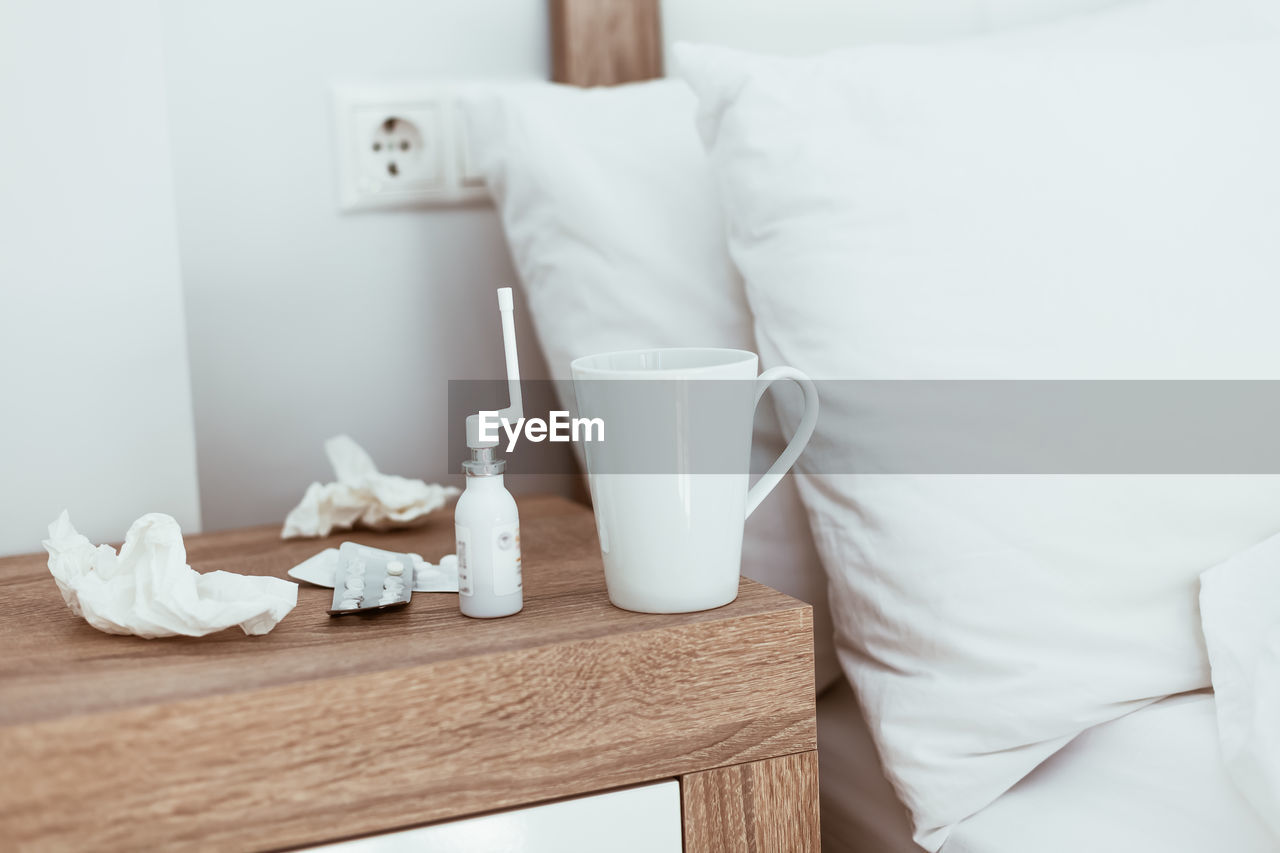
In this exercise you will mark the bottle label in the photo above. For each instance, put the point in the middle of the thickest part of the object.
(506, 559)
(462, 537)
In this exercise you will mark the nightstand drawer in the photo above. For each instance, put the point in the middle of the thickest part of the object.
(644, 819)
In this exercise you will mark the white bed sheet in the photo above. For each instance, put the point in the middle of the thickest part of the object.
(1151, 781)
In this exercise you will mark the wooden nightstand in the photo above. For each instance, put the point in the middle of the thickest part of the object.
(233, 742)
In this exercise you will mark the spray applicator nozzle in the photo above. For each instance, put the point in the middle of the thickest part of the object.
(515, 409)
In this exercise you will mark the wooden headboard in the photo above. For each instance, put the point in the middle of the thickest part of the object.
(605, 42)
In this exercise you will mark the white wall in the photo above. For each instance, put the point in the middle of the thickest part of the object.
(305, 322)
(95, 407)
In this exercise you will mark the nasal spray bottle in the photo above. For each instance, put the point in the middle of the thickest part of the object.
(486, 521)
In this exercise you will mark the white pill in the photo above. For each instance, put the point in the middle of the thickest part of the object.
(354, 586)
(395, 568)
(449, 561)
(348, 604)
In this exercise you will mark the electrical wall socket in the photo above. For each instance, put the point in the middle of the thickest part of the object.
(403, 146)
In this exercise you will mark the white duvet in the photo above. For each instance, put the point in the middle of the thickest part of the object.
(1240, 612)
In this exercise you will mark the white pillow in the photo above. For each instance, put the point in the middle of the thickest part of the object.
(608, 206)
(988, 212)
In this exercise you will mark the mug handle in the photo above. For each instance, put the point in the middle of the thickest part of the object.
(796, 446)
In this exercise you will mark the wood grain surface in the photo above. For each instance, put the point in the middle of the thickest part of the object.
(760, 807)
(605, 42)
(327, 728)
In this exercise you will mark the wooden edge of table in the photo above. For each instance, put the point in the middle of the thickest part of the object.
(280, 767)
(759, 806)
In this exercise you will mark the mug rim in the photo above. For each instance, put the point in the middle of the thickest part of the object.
(742, 356)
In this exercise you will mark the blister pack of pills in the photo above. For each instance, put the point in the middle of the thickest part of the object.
(370, 580)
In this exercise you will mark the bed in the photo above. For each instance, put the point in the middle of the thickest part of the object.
(1153, 780)
(1145, 774)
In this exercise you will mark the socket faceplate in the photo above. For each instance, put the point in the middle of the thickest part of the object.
(402, 146)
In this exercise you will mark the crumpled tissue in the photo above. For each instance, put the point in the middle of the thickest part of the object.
(149, 590)
(361, 494)
(322, 570)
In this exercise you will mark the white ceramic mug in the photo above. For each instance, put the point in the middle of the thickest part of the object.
(672, 536)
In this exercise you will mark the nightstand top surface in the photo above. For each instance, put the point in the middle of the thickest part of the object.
(58, 666)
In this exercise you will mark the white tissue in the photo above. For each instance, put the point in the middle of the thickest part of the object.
(361, 494)
(149, 590)
(322, 569)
